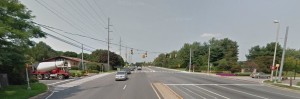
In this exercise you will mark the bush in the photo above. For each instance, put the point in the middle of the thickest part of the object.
(242, 74)
(93, 71)
(33, 79)
(74, 68)
(76, 73)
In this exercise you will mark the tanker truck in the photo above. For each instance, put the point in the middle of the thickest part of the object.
(49, 70)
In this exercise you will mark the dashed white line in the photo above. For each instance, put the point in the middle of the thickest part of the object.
(124, 87)
(185, 93)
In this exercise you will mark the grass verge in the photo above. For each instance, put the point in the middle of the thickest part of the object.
(298, 84)
(21, 92)
(281, 85)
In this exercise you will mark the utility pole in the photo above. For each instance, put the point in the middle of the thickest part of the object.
(120, 47)
(126, 55)
(82, 57)
(108, 39)
(208, 64)
(190, 60)
(283, 53)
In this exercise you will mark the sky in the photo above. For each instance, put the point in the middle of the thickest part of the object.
(165, 25)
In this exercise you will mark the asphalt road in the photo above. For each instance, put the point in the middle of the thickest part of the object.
(187, 85)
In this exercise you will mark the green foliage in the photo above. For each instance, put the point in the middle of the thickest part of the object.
(243, 74)
(70, 54)
(15, 34)
(21, 92)
(76, 73)
(100, 56)
(74, 68)
(223, 55)
(261, 58)
(41, 51)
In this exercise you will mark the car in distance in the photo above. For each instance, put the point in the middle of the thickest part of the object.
(121, 75)
(260, 75)
(127, 70)
(139, 68)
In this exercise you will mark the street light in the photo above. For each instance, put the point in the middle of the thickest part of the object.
(274, 57)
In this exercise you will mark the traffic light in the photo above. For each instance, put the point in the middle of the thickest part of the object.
(146, 54)
(131, 51)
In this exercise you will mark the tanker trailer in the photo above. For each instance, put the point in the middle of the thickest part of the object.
(49, 70)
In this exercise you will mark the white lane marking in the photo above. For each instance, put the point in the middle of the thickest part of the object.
(243, 92)
(155, 91)
(124, 87)
(212, 92)
(60, 82)
(81, 81)
(50, 95)
(194, 93)
(214, 84)
(185, 93)
(151, 70)
(276, 93)
(208, 95)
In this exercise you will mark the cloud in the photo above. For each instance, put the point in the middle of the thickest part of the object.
(210, 35)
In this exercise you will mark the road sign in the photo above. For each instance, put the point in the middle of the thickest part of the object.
(277, 65)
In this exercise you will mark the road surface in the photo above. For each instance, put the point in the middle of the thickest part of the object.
(187, 85)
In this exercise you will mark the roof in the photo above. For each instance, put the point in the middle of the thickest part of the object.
(65, 57)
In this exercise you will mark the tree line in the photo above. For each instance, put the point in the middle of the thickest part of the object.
(224, 57)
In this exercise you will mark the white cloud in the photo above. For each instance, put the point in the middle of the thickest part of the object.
(210, 35)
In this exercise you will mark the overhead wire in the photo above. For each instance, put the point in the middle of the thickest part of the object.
(78, 19)
(96, 39)
(62, 18)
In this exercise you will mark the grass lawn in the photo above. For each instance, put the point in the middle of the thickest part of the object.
(298, 84)
(21, 92)
(280, 85)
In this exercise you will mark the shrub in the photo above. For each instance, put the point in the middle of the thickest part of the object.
(74, 68)
(76, 73)
(93, 71)
(242, 74)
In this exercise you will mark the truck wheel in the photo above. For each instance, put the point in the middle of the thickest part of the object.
(39, 76)
(66, 77)
(46, 76)
(60, 76)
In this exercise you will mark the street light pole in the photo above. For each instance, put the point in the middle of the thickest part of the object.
(274, 57)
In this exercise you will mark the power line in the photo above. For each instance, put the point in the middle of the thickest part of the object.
(70, 43)
(94, 11)
(78, 19)
(68, 37)
(124, 46)
(62, 18)
(100, 9)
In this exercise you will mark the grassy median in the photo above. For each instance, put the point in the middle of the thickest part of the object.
(281, 85)
(21, 92)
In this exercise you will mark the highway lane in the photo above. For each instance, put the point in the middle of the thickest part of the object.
(202, 86)
(187, 85)
(136, 87)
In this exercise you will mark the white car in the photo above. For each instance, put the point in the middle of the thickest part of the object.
(121, 75)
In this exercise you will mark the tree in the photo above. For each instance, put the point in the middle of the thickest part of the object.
(100, 56)
(70, 54)
(263, 56)
(16, 30)
(41, 51)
